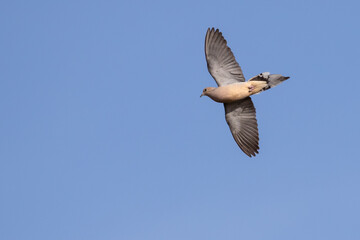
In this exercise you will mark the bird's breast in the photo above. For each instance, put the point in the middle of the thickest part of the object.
(236, 91)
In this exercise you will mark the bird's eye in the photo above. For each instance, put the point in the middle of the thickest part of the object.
(205, 90)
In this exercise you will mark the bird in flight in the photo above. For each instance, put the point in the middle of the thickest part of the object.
(235, 92)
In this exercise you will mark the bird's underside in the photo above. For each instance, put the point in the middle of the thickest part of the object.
(234, 92)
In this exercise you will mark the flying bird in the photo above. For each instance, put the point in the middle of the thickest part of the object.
(235, 92)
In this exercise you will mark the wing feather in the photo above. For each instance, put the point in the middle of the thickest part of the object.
(241, 118)
(221, 62)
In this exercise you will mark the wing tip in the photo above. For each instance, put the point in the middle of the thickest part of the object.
(247, 148)
(212, 29)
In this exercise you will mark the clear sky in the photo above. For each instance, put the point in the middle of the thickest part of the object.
(103, 134)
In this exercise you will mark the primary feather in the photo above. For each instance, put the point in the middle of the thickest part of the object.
(221, 62)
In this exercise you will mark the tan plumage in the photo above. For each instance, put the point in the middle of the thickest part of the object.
(234, 92)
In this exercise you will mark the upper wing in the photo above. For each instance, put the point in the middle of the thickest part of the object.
(221, 62)
(241, 118)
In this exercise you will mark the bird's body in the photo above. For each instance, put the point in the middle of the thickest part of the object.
(234, 92)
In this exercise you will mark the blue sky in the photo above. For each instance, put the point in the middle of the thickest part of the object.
(103, 134)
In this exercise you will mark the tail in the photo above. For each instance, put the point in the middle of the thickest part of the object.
(272, 80)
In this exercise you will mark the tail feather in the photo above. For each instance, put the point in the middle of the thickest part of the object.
(276, 79)
(272, 80)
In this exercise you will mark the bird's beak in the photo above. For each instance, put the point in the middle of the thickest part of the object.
(202, 94)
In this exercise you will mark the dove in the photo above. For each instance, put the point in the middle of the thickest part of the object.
(234, 92)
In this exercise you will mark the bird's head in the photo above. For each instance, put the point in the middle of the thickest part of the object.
(206, 91)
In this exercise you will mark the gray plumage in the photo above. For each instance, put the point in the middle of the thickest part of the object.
(271, 79)
(221, 62)
(241, 118)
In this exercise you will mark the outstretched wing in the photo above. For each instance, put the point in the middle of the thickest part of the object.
(221, 62)
(241, 118)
